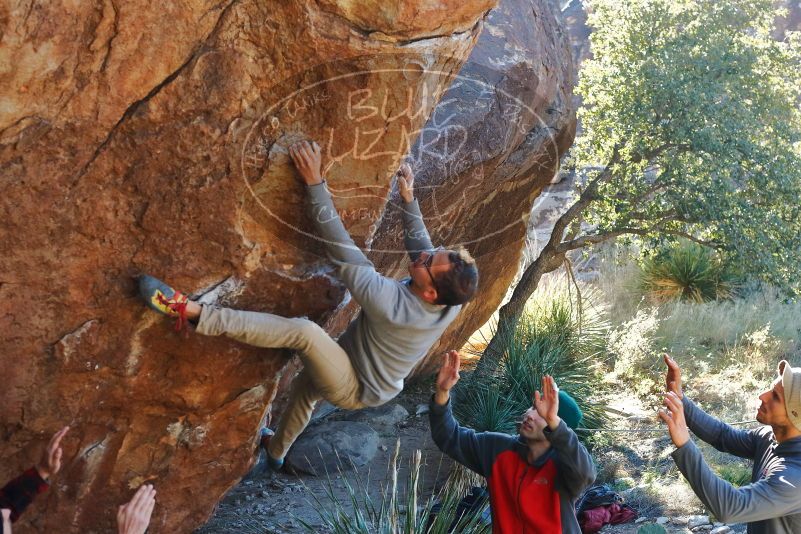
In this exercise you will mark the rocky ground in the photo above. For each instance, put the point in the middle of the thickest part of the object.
(637, 464)
(281, 503)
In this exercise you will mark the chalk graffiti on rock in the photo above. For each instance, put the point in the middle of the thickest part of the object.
(423, 124)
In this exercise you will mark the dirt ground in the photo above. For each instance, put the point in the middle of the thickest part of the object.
(278, 503)
(637, 464)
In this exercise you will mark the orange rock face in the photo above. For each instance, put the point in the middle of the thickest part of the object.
(151, 137)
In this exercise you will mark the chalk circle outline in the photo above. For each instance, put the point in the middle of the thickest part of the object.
(453, 78)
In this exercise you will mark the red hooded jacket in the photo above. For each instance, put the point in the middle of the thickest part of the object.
(525, 498)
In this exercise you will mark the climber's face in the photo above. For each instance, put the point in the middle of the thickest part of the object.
(427, 268)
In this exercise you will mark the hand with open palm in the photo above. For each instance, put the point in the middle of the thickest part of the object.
(447, 377)
(673, 416)
(673, 376)
(547, 402)
(133, 517)
(50, 464)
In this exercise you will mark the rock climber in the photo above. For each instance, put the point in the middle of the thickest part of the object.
(534, 478)
(399, 320)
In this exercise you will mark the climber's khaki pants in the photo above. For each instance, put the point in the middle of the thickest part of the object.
(328, 373)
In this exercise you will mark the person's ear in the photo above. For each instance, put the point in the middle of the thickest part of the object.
(430, 295)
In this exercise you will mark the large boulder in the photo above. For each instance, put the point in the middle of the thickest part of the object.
(490, 147)
(558, 197)
(139, 136)
(380, 417)
(575, 17)
(151, 136)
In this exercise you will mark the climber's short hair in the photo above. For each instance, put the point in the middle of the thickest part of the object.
(459, 283)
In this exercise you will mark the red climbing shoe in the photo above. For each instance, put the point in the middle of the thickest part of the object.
(164, 299)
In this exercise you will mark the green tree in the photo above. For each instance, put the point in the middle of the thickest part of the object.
(691, 129)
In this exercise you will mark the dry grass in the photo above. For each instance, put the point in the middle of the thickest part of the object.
(708, 338)
(728, 351)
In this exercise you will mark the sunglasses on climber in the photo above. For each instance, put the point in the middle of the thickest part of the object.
(426, 258)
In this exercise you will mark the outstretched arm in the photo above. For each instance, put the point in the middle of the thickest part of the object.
(336, 239)
(371, 290)
(723, 437)
(774, 496)
(474, 450)
(415, 234)
(771, 497)
(18, 494)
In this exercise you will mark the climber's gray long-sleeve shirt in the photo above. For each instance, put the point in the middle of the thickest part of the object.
(771, 504)
(395, 328)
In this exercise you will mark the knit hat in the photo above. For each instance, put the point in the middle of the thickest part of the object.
(791, 381)
(570, 413)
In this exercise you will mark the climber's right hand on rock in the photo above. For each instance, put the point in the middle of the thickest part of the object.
(307, 158)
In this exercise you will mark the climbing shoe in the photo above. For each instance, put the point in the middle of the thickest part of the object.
(164, 299)
(264, 442)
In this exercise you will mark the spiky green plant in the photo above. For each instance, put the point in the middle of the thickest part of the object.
(688, 272)
(485, 408)
(555, 336)
(400, 509)
(736, 473)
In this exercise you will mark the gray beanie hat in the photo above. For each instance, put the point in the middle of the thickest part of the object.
(791, 381)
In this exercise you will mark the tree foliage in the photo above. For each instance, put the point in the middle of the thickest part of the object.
(692, 128)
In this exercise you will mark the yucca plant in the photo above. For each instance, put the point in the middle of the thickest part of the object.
(484, 407)
(555, 336)
(400, 509)
(688, 272)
